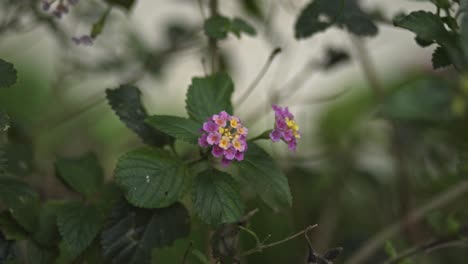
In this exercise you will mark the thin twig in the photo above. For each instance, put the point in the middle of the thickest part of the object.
(213, 42)
(261, 246)
(259, 77)
(373, 244)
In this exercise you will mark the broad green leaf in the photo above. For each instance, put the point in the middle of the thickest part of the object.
(427, 26)
(19, 157)
(8, 74)
(152, 178)
(82, 174)
(178, 127)
(4, 122)
(132, 233)
(126, 102)
(259, 170)
(440, 58)
(35, 254)
(209, 95)
(239, 25)
(217, 27)
(319, 15)
(97, 28)
(46, 232)
(216, 197)
(126, 4)
(78, 225)
(21, 201)
(10, 229)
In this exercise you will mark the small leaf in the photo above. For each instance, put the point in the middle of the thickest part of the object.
(21, 201)
(216, 197)
(239, 25)
(83, 174)
(390, 249)
(427, 26)
(8, 74)
(259, 170)
(78, 225)
(151, 178)
(217, 27)
(97, 28)
(209, 95)
(177, 127)
(440, 58)
(126, 102)
(132, 233)
(126, 4)
(46, 232)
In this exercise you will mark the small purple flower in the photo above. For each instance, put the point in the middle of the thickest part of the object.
(83, 40)
(45, 5)
(286, 128)
(226, 136)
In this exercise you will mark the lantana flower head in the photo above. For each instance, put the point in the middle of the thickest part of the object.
(286, 128)
(226, 136)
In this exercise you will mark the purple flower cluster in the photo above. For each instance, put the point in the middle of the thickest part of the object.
(83, 40)
(61, 8)
(226, 136)
(286, 128)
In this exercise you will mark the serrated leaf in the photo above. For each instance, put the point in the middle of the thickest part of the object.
(10, 229)
(21, 201)
(440, 58)
(209, 95)
(152, 178)
(178, 127)
(126, 4)
(217, 27)
(427, 26)
(126, 102)
(8, 74)
(319, 15)
(132, 233)
(97, 27)
(78, 225)
(216, 197)
(238, 25)
(83, 174)
(259, 170)
(46, 232)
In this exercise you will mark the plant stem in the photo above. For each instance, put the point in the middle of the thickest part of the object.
(262, 246)
(213, 42)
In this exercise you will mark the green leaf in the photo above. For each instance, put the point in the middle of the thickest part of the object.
(10, 229)
(178, 127)
(82, 174)
(464, 27)
(46, 232)
(216, 197)
(8, 74)
(427, 26)
(319, 15)
(217, 27)
(259, 170)
(440, 58)
(152, 178)
(239, 25)
(132, 233)
(36, 254)
(21, 201)
(126, 4)
(126, 102)
(78, 225)
(97, 28)
(209, 95)
(4, 121)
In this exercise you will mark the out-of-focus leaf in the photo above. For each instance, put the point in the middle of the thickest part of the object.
(36, 254)
(10, 228)
(239, 25)
(209, 95)
(217, 27)
(4, 121)
(126, 102)
(132, 233)
(335, 57)
(216, 197)
(97, 28)
(78, 225)
(83, 174)
(440, 58)
(126, 4)
(46, 232)
(253, 7)
(224, 242)
(8, 74)
(21, 201)
(259, 170)
(178, 127)
(152, 178)
(319, 15)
